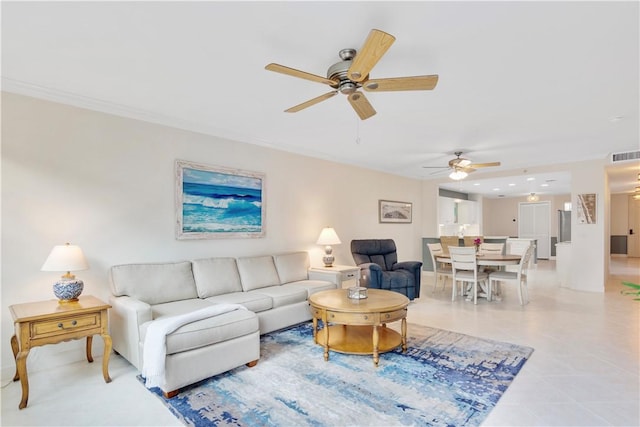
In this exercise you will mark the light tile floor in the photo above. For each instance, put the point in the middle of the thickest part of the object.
(584, 370)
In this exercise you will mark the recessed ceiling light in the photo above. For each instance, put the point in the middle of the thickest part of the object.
(531, 178)
(476, 183)
(544, 185)
(496, 189)
(512, 185)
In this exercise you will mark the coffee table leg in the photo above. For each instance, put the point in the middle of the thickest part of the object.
(315, 330)
(326, 338)
(376, 340)
(404, 334)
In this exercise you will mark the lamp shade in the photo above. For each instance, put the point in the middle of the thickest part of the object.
(328, 236)
(65, 257)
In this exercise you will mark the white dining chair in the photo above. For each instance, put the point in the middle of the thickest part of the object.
(491, 248)
(465, 269)
(518, 277)
(440, 269)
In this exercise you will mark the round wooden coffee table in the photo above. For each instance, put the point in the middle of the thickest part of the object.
(359, 326)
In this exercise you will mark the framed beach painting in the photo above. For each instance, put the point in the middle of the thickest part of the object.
(216, 202)
(392, 211)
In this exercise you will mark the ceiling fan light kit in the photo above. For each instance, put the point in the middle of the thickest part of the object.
(462, 167)
(352, 73)
(457, 175)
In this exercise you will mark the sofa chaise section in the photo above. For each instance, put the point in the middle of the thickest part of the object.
(143, 293)
(274, 289)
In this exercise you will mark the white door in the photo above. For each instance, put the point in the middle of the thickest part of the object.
(534, 219)
(633, 238)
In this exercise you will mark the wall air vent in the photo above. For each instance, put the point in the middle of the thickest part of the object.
(625, 156)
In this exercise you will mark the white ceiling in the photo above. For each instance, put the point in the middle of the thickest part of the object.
(523, 83)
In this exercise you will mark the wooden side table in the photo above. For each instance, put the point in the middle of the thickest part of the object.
(337, 274)
(51, 322)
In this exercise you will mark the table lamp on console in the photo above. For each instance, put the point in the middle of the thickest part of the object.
(328, 237)
(66, 258)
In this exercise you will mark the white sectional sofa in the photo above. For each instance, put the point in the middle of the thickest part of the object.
(273, 288)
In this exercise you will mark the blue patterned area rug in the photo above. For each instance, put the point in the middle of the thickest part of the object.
(444, 379)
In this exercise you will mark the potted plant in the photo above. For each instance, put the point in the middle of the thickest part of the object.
(635, 290)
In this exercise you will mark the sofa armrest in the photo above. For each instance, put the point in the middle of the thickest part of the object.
(370, 275)
(125, 318)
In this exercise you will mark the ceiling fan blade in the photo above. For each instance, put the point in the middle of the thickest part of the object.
(483, 165)
(300, 74)
(361, 104)
(401, 83)
(376, 45)
(311, 102)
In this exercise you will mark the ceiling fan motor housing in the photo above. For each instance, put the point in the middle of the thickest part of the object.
(338, 71)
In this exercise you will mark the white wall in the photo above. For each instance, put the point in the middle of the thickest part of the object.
(590, 242)
(106, 184)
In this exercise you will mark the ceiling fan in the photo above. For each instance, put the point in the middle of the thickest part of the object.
(352, 73)
(461, 167)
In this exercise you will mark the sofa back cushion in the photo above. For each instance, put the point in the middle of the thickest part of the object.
(292, 267)
(257, 272)
(216, 276)
(154, 283)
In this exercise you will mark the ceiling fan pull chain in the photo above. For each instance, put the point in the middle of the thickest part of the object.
(358, 132)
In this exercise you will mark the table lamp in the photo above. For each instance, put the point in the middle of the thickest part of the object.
(66, 258)
(327, 238)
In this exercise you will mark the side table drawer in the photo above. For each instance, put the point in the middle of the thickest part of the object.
(353, 318)
(350, 275)
(64, 325)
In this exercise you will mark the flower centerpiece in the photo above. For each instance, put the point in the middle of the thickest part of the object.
(477, 243)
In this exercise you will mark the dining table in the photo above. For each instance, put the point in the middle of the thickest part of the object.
(487, 260)
(495, 260)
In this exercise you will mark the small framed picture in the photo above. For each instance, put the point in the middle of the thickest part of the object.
(394, 212)
(586, 207)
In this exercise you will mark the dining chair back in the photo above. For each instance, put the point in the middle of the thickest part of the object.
(440, 269)
(518, 277)
(471, 240)
(465, 269)
(492, 248)
(447, 241)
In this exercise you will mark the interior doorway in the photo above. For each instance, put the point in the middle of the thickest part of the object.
(633, 238)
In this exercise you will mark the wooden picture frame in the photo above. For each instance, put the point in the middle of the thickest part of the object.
(391, 211)
(217, 202)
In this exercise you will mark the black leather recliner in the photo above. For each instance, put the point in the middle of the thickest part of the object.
(380, 269)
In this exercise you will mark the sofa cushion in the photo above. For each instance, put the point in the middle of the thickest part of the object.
(207, 331)
(313, 286)
(154, 283)
(292, 266)
(257, 272)
(255, 302)
(283, 294)
(216, 276)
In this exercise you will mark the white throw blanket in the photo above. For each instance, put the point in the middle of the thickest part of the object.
(155, 342)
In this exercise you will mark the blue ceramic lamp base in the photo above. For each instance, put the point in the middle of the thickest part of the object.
(68, 290)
